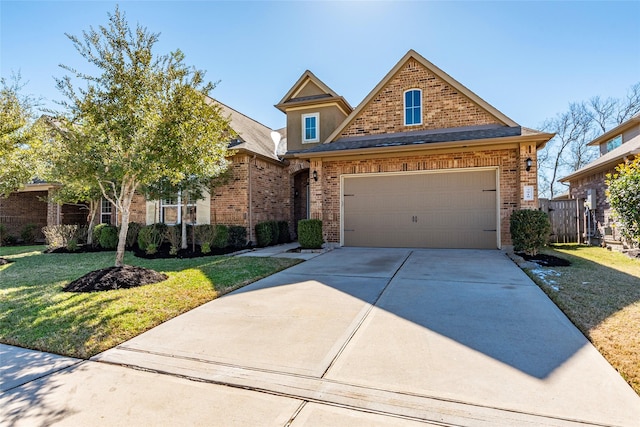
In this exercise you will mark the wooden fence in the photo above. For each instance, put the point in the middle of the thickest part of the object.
(565, 218)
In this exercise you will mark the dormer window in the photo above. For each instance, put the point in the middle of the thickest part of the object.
(614, 143)
(310, 128)
(413, 107)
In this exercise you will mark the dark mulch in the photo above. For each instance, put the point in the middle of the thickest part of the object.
(80, 250)
(164, 252)
(546, 260)
(4, 261)
(124, 277)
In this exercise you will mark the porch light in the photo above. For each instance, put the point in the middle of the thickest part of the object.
(315, 175)
(529, 163)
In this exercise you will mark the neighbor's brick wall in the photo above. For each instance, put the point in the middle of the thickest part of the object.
(578, 190)
(325, 193)
(442, 106)
(20, 209)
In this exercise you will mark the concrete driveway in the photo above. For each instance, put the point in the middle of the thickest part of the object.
(353, 337)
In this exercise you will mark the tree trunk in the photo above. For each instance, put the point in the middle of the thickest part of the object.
(125, 208)
(93, 210)
(185, 201)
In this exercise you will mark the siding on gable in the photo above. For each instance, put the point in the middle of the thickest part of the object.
(443, 106)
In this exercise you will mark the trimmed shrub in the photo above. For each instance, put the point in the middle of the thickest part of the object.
(96, 233)
(263, 234)
(28, 233)
(237, 236)
(10, 240)
(310, 233)
(284, 236)
(132, 233)
(108, 237)
(529, 230)
(222, 236)
(150, 237)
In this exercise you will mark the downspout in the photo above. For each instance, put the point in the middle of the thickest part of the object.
(251, 203)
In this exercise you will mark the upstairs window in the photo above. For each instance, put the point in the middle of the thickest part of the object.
(310, 128)
(614, 143)
(413, 107)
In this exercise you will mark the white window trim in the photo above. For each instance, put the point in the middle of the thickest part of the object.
(104, 203)
(178, 205)
(404, 110)
(317, 138)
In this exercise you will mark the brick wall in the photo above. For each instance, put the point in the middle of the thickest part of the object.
(20, 209)
(325, 193)
(442, 106)
(578, 190)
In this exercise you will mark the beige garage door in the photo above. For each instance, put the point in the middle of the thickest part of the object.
(421, 210)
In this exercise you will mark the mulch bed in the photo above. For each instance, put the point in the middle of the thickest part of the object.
(545, 260)
(4, 261)
(110, 278)
(161, 253)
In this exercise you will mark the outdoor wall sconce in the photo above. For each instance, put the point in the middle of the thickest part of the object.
(315, 175)
(527, 162)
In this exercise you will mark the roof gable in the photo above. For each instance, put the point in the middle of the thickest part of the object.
(446, 103)
(309, 89)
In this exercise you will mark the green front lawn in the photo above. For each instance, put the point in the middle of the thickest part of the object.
(600, 293)
(35, 313)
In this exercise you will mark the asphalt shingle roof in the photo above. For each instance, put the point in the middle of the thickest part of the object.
(417, 138)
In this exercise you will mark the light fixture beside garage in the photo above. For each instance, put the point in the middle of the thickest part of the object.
(527, 162)
(315, 175)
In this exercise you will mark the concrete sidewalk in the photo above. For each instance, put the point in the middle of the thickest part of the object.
(351, 337)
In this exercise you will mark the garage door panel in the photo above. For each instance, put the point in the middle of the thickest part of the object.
(438, 210)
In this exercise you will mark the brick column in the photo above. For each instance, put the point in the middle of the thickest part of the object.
(54, 214)
(528, 178)
(315, 189)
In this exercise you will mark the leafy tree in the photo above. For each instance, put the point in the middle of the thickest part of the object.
(21, 137)
(145, 118)
(574, 129)
(624, 197)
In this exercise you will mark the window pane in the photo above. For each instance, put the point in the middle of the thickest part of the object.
(416, 115)
(407, 116)
(416, 98)
(170, 214)
(408, 100)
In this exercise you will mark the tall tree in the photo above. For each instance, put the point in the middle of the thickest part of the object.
(21, 137)
(145, 118)
(584, 121)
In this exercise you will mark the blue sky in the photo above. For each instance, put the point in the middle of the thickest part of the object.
(528, 59)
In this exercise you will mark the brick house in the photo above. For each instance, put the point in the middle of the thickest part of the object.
(421, 162)
(32, 205)
(587, 185)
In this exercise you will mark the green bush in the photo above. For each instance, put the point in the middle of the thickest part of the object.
(310, 233)
(237, 236)
(529, 230)
(132, 233)
(284, 236)
(10, 240)
(3, 233)
(108, 237)
(150, 237)
(96, 233)
(28, 233)
(263, 234)
(222, 236)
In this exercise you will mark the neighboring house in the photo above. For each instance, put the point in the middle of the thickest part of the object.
(32, 205)
(587, 185)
